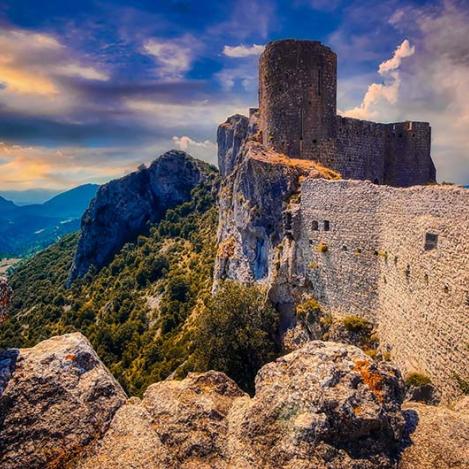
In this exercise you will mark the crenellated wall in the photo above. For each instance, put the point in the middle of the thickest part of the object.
(383, 262)
(297, 106)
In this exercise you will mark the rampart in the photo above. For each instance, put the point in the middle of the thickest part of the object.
(297, 106)
(398, 257)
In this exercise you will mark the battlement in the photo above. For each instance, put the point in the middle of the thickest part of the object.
(298, 117)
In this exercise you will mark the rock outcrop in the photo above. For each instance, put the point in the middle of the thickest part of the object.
(231, 136)
(436, 437)
(180, 424)
(259, 219)
(55, 399)
(123, 208)
(5, 298)
(326, 405)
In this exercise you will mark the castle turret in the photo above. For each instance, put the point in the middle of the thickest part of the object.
(297, 96)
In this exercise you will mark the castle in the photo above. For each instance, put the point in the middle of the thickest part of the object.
(397, 256)
(298, 118)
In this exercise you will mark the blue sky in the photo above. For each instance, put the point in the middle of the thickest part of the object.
(90, 89)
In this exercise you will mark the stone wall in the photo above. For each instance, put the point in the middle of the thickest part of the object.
(297, 108)
(398, 257)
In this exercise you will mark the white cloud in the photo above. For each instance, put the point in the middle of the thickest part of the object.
(173, 57)
(197, 115)
(88, 73)
(205, 150)
(403, 51)
(431, 86)
(242, 51)
(30, 64)
(387, 91)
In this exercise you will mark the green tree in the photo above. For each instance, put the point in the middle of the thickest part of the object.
(236, 333)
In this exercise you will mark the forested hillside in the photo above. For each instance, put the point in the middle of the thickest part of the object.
(135, 310)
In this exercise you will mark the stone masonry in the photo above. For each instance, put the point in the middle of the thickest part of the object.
(298, 118)
(399, 258)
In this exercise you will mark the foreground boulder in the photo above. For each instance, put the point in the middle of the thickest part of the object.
(323, 406)
(326, 405)
(436, 437)
(55, 399)
(180, 424)
(123, 208)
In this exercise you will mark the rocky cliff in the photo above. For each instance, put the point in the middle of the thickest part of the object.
(123, 208)
(325, 405)
(259, 212)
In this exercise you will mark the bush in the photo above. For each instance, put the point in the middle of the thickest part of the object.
(417, 379)
(321, 247)
(309, 310)
(462, 383)
(235, 333)
(357, 324)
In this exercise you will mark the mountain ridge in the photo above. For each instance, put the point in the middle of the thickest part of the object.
(26, 229)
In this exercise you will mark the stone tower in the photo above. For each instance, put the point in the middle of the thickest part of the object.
(297, 96)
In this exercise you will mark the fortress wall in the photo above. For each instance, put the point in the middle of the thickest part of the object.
(345, 278)
(424, 294)
(360, 149)
(419, 297)
(407, 154)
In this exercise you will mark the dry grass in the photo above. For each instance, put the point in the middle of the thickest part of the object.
(261, 153)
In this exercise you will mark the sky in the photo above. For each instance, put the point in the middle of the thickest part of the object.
(91, 89)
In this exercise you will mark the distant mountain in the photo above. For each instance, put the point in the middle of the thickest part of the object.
(27, 229)
(6, 205)
(29, 196)
(71, 203)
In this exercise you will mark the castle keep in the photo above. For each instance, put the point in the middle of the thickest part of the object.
(346, 211)
(298, 117)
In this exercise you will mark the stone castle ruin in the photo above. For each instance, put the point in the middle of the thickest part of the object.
(307, 207)
(298, 117)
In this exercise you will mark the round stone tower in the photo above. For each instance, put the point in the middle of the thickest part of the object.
(297, 96)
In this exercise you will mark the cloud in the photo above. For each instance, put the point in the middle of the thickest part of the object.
(194, 116)
(173, 57)
(387, 91)
(206, 149)
(431, 86)
(33, 63)
(403, 51)
(242, 51)
(25, 167)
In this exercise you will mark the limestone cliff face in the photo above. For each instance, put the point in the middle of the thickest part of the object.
(231, 136)
(259, 217)
(125, 207)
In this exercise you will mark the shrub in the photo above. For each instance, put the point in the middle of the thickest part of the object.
(321, 247)
(417, 379)
(462, 383)
(356, 324)
(235, 333)
(308, 310)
